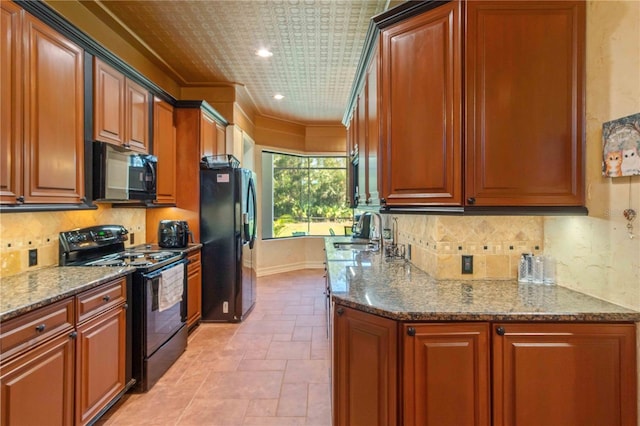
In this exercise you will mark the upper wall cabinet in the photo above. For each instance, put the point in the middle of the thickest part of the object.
(121, 109)
(524, 81)
(164, 147)
(42, 124)
(420, 109)
(480, 105)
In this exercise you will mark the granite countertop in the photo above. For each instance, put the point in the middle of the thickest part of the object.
(398, 290)
(28, 291)
(191, 247)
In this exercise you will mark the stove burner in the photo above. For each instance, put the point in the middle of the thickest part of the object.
(131, 255)
(108, 262)
(160, 255)
(140, 263)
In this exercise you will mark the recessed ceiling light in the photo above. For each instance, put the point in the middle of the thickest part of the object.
(264, 53)
(278, 96)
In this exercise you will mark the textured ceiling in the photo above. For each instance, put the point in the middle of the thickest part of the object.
(316, 47)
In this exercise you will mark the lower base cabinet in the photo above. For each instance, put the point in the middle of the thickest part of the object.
(564, 374)
(484, 373)
(100, 366)
(364, 369)
(445, 374)
(194, 289)
(37, 386)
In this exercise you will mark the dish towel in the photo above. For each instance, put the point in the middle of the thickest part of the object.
(171, 287)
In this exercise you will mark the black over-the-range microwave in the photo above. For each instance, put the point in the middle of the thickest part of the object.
(120, 174)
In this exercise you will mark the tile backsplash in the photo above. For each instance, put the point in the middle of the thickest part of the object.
(20, 232)
(495, 242)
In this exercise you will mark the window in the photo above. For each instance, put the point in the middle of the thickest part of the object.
(304, 195)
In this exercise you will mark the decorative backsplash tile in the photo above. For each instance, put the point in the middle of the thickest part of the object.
(496, 243)
(20, 232)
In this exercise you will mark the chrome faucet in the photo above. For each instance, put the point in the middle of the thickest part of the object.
(375, 231)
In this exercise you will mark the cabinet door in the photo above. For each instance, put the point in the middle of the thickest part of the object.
(108, 103)
(10, 103)
(564, 374)
(207, 136)
(136, 117)
(54, 116)
(100, 367)
(373, 133)
(361, 143)
(37, 387)
(525, 103)
(164, 145)
(194, 290)
(446, 374)
(420, 110)
(221, 139)
(364, 369)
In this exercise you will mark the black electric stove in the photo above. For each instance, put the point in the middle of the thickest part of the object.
(157, 326)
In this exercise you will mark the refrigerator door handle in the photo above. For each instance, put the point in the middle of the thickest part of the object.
(254, 211)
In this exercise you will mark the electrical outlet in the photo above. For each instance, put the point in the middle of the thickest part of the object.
(467, 264)
(33, 257)
(132, 238)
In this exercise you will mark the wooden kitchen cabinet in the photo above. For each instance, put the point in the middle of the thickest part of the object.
(564, 374)
(446, 374)
(420, 109)
(373, 133)
(101, 348)
(364, 368)
(524, 98)
(120, 109)
(37, 386)
(42, 113)
(164, 146)
(37, 367)
(194, 289)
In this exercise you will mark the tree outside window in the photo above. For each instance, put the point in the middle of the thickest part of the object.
(304, 195)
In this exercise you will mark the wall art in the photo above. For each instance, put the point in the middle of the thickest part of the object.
(621, 147)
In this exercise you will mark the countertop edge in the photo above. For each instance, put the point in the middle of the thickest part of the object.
(20, 310)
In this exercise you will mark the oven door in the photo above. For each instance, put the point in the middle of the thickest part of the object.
(162, 322)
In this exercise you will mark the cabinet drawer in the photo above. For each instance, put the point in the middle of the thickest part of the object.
(100, 299)
(35, 327)
(194, 259)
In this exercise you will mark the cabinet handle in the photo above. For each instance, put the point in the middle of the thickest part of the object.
(106, 298)
(340, 311)
(40, 328)
(411, 331)
(500, 331)
(383, 201)
(20, 199)
(126, 145)
(471, 200)
(73, 334)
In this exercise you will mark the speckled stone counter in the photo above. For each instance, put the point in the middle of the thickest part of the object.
(400, 291)
(191, 247)
(27, 291)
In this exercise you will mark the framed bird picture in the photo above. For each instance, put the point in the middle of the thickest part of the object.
(621, 147)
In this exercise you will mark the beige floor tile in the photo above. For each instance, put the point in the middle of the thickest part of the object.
(243, 384)
(306, 371)
(293, 400)
(319, 405)
(262, 365)
(206, 411)
(274, 421)
(289, 350)
(262, 408)
(302, 334)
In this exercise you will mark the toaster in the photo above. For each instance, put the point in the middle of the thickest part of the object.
(173, 233)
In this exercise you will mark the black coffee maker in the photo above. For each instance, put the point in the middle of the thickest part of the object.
(173, 234)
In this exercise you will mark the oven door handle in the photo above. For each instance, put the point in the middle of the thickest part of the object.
(157, 273)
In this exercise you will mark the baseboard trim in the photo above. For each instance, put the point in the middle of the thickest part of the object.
(271, 270)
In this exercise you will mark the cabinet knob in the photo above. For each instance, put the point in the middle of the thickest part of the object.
(40, 328)
(73, 334)
(411, 331)
(368, 201)
(500, 331)
(106, 298)
(20, 199)
(340, 311)
(471, 200)
(383, 201)
(125, 306)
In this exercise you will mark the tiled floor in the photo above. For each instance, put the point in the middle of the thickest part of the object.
(271, 369)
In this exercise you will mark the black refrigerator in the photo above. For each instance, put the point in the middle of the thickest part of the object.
(228, 234)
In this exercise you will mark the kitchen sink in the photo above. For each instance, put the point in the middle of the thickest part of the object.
(355, 245)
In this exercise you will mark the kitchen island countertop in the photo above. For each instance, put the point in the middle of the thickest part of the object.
(400, 291)
(30, 290)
